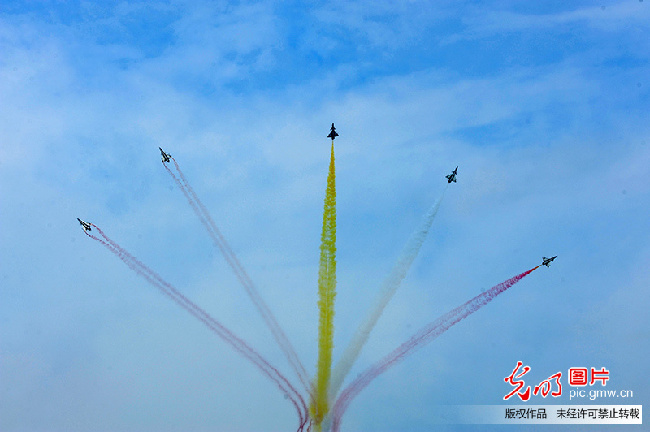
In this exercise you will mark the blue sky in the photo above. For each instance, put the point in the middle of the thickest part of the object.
(542, 105)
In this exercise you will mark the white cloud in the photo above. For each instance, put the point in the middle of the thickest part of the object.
(615, 18)
(544, 156)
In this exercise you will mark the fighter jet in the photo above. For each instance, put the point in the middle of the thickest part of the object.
(165, 156)
(333, 133)
(85, 225)
(547, 261)
(452, 177)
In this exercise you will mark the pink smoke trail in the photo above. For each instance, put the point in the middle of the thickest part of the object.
(269, 319)
(425, 335)
(220, 330)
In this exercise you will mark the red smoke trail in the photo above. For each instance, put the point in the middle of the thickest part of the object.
(425, 335)
(220, 330)
(242, 275)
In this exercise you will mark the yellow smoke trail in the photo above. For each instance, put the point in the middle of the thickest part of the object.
(326, 295)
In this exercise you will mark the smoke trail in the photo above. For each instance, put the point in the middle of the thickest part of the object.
(215, 326)
(388, 289)
(326, 295)
(269, 319)
(425, 335)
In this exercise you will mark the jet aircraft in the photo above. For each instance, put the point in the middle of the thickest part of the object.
(165, 156)
(452, 177)
(333, 133)
(85, 225)
(547, 261)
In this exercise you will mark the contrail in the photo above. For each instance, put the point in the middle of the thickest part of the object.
(388, 289)
(221, 243)
(425, 335)
(215, 326)
(326, 295)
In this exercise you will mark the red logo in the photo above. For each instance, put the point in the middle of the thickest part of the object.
(543, 387)
(579, 376)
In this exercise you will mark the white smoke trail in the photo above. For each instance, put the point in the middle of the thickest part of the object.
(204, 216)
(388, 289)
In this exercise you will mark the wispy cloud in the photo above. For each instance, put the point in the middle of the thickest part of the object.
(484, 20)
